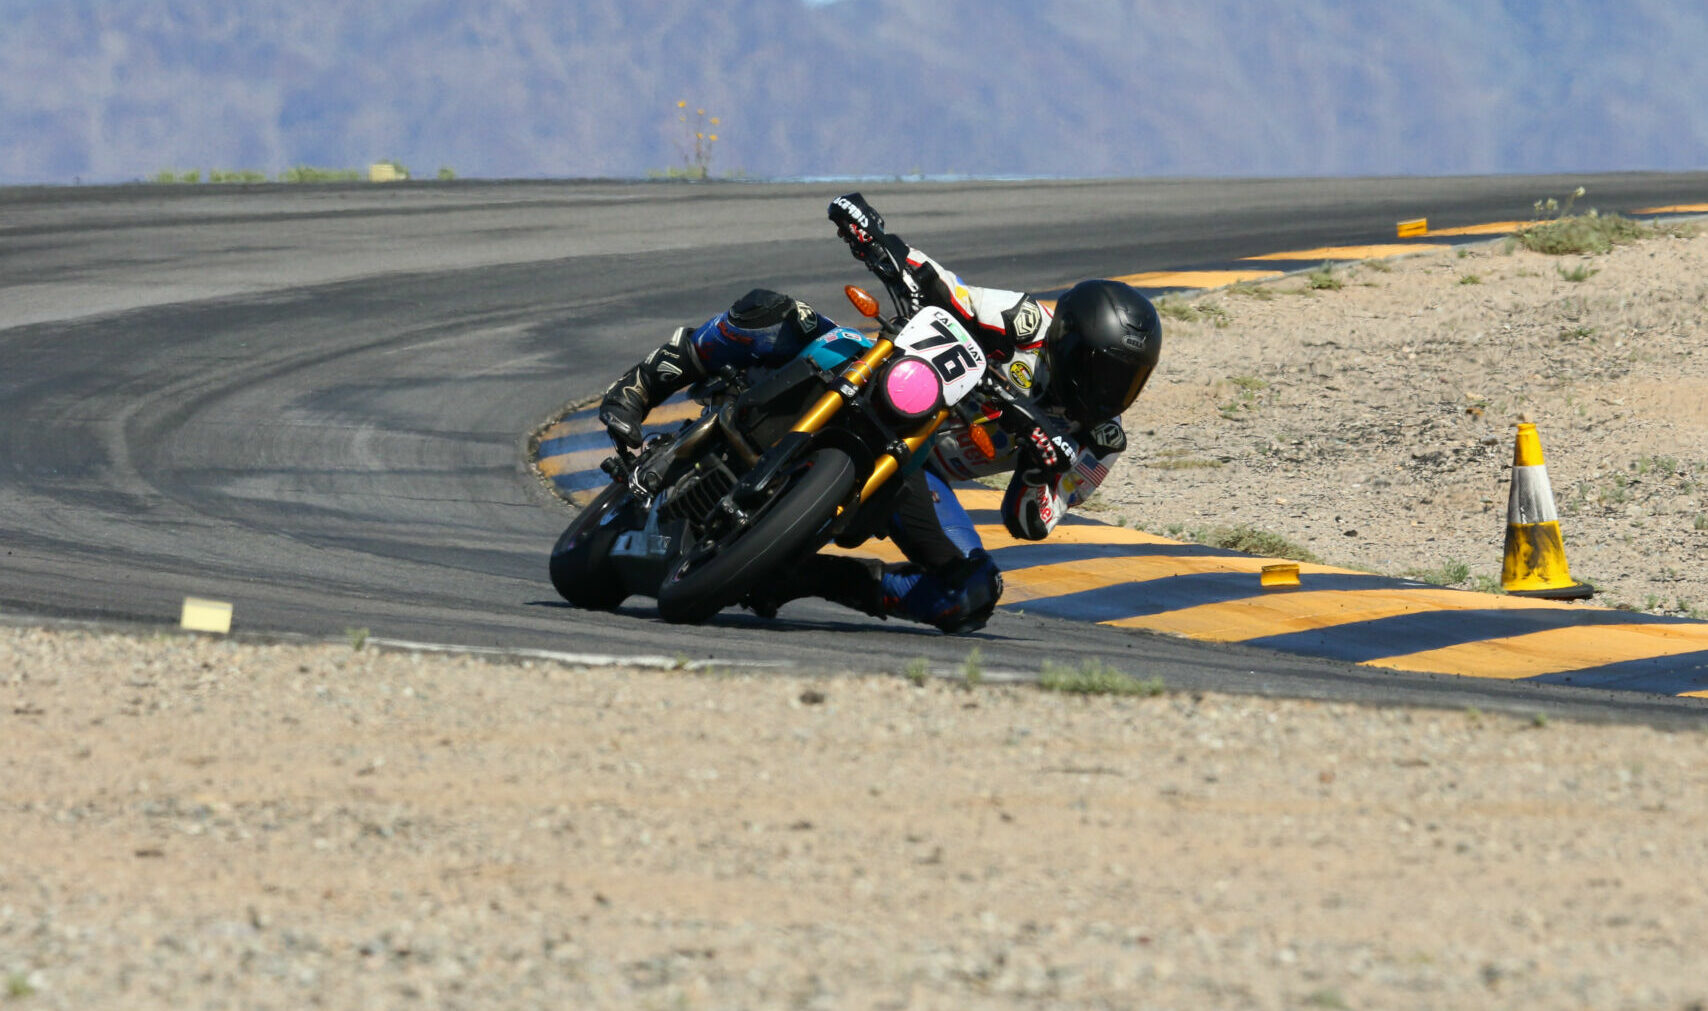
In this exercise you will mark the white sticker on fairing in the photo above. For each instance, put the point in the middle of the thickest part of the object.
(936, 336)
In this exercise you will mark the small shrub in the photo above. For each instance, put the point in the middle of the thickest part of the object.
(1251, 290)
(358, 638)
(446, 173)
(697, 143)
(1581, 272)
(1248, 388)
(1588, 233)
(1323, 279)
(972, 669)
(1192, 312)
(1486, 584)
(1183, 463)
(1092, 677)
(1664, 465)
(1379, 266)
(1253, 542)
(310, 174)
(1451, 573)
(917, 671)
(1470, 279)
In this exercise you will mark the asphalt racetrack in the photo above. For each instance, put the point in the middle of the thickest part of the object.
(313, 402)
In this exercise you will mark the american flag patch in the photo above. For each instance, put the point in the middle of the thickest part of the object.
(1093, 474)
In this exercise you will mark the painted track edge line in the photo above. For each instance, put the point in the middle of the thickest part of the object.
(651, 662)
(648, 662)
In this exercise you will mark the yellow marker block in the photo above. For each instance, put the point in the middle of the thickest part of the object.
(206, 616)
(1674, 209)
(1349, 252)
(1194, 278)
(1280, 574)
(1412, 228)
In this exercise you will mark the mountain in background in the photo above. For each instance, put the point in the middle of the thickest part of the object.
(120, 89)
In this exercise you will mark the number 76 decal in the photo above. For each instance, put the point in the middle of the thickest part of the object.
(960, 363)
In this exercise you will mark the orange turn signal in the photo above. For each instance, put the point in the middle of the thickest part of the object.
(863, 302)
(981, 439)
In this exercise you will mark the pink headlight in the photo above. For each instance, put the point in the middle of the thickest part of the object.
(911, 386)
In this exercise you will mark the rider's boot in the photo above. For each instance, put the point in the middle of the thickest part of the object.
(856, 583)
(955, 599)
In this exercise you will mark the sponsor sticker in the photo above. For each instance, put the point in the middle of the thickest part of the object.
(963, 299)
(1021, 373)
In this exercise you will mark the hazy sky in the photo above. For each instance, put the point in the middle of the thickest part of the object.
(122, 89)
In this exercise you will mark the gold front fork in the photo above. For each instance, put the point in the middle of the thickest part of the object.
(888, 464)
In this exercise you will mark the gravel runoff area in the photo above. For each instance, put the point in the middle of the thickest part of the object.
(1367, 416)
(197, 822)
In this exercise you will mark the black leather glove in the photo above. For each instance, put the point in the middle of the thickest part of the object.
(858, 222)
(622, 421)
(862, 227)
(1049, 455)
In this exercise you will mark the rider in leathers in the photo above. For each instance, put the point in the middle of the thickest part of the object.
(1065, 376)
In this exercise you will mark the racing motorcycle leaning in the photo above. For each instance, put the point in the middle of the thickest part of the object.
(775, 467)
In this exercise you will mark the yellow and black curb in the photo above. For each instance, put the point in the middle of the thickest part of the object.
(1093, 571)
(1096, 572)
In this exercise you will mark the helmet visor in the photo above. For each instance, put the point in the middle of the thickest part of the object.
(1111, 385)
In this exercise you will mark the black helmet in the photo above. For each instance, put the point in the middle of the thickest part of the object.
(1102, 345)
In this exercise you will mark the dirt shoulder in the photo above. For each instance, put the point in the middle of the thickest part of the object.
(1371, 421)
(196, 822)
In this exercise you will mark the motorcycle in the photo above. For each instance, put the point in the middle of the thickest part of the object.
(774, 468)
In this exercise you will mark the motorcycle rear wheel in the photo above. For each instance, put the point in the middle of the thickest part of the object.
(581, 559)
(703, 584)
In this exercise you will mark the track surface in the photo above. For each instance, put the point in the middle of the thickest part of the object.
(312, 402)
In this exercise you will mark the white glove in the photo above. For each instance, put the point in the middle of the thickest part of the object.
(1033, 505)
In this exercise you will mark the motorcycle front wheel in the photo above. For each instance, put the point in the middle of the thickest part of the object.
(705, 581)
(581, 559)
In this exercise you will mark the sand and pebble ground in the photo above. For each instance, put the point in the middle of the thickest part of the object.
(195, 822)
(1372, 424)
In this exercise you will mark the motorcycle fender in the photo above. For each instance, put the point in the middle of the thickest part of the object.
(774, 462)
(858, 450)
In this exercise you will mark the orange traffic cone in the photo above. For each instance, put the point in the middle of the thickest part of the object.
(1535, 564)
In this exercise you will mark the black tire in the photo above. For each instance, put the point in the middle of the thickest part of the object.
(581, 560)
(699, 587)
